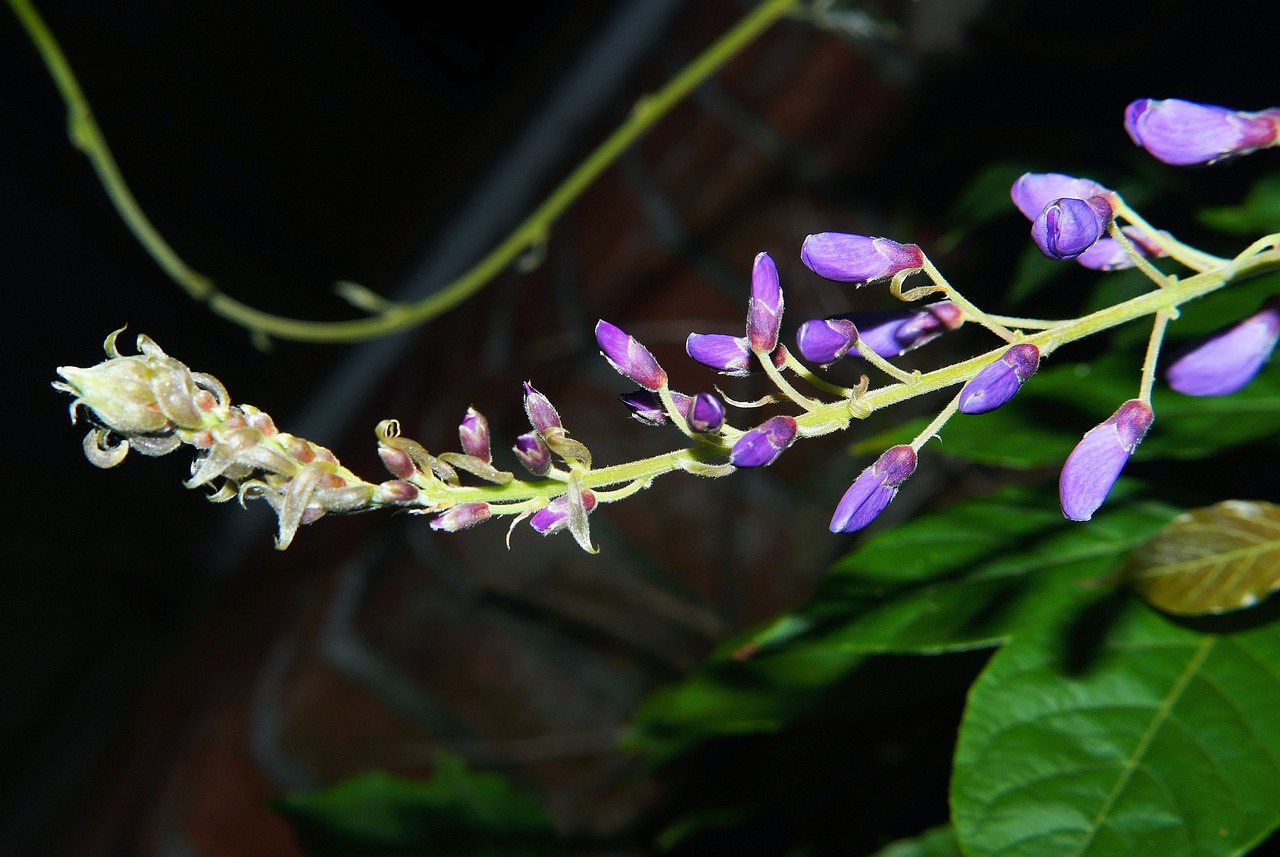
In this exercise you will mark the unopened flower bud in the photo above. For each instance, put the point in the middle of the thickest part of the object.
(542, 414)
(850, 258)
(462, 516)
(996, 383)
(1068, 227)
(1108, 255)
(628, 357)
(1230, 358)
(554, 517)
(473, 432)
(397, 462)
(396, 492)
(119, 392)
(533, 453)
(762, 445)
(894, 333)
(1185, 133)
(1096, 462)
(874, 489)
(826, 340)
(764, 309)
(646, 406)
(1033, 191)
(705, 413)
(730, 355)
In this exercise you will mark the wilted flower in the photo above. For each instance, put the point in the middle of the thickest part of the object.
(874, 489)
(762, 445)
(848, 258)
(764, 309)
(826, 340)
(1033, 191)
(730, 355)
(631, 359)
(1185, 133)
(1096, 462)
(1230, 358)
(996, 383)
(1067, 227)
(705, 413)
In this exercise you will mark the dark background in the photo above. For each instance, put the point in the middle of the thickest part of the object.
(279, 148)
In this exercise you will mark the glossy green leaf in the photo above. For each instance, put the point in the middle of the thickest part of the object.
(937, 842)
(457, 812)
(1122, 734)
(1210, 560)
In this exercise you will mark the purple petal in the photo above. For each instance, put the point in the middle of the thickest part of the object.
(705, 413)
(850, 258)
(998, 382)
(628, 357)
(762, 445)
(554, 517)
(473, 432)
(826, 340)
(894, 333)
(874, 489)
(728, 354)
(764, 310)
(462, 516)
(533, 453)
(1068, 227)
(646, 406)
(1033, 191)
(1230, 358)
(1184, 133)
(542, 414)
(1096, 462)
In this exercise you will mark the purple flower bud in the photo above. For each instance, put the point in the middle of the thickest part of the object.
(554, 517)
(730, 355)
(764, 309)
(894, 333)
(542, 414)
(826, 340)
(849, 258)
(474, 434)
(462, 516)
(631, 359)
(762, 445)
(1228, 359)
(396, 492)
(1185, 133)
(1096, 462)
(874, 489)
(705, 413)
(533, 453)
(397, 462)
(1108, 255)
(1067, 227)
(646, 406)
(996, 383)
(1033, 191)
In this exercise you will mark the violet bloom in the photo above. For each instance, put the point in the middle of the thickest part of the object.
(646, 406)
(554, 517)
(705, 413)
(850, 258)
(730, 355)
(1096, 462)
(895, 332)
(1033, 191)
(1068, 227)
(473, 432)
(461, 517)
(628, 357)
(874, 489)
(1228, 359)
(542, 414)
(1185, 133)
(996, 383)
(764, 309)
(826, 340)
(762, 445)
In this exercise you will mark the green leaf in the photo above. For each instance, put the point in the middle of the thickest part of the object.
(1128, 734)
(936, 842)
(457, 812)
(1211, 560)
(1258, 215)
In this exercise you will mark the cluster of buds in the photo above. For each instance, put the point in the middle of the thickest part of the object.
(153, 403)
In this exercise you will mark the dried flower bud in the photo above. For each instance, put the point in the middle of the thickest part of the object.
(874, 489)
(1096, 462)
(1068, 227)
(705, 413)
(826, 340)
(996, 383)
(628, 357)
(762, 445)
(850, 258)
(533, 453)
(473, 432)
(1230, 358)
(764, 309)
(461, 517)
(542, 414)
(554, 517)
(1185, 133)
(1033, 191)
(730, 355)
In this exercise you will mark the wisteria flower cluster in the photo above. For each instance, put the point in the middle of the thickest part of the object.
(154, 404)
